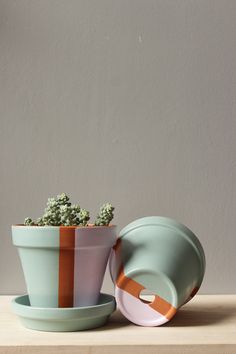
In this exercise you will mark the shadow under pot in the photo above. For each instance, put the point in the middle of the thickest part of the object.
(160, 256)
(63, 266)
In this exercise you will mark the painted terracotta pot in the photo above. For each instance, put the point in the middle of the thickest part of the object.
(161, 256)
(63, 266)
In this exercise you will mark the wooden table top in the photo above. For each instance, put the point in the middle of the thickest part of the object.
(205, 325)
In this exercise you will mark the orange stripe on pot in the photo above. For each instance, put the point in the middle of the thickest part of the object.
(194, 292)
(129, 285)
(117, 246)
(117, 265)
(66, 266)
(163, 307)
(134, 288)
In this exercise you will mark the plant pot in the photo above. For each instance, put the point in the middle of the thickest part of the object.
(160, 256)
(63, 266)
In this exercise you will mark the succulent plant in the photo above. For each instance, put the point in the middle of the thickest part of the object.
(60, 211)
(84, 217)
(105, 215)
(28, 222)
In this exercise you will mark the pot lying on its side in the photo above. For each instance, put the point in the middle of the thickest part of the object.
(161, 256)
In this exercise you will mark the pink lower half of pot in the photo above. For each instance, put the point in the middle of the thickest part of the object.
(137, 311)
(141, 311)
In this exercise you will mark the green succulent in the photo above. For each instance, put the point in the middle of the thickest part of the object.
(29, 222)
(60, 211)
(84, 217)
(105, 215)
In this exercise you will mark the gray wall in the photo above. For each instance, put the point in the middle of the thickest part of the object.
(128, 101)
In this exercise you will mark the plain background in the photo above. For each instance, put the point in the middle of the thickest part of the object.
(127, 101)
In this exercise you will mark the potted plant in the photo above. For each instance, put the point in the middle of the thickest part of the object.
(63, 257)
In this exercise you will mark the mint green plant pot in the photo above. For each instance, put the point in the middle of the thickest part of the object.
(63, 266)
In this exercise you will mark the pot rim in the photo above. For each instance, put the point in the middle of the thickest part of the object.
(89, 226)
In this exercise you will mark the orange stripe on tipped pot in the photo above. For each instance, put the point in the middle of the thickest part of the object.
(163, 307)
(134, 288)
(66, 267)
(128, 284)
(194, 292)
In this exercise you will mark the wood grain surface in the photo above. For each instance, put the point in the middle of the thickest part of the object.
(205, 325)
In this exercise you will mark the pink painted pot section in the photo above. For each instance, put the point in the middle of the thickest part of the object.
(91, 252)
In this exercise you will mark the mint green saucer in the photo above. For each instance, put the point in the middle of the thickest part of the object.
(63, 319)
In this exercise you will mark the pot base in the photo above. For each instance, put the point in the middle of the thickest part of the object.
(63, 319)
